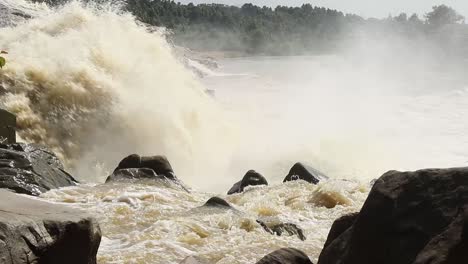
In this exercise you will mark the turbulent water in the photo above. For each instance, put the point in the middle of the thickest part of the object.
(95, 86)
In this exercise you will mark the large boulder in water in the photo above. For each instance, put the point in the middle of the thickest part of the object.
(159, 164)
(31, 169)
(33, 231)
(340, 226)
(408, 218)
(286, 256)
(251, 178)
(300, 171)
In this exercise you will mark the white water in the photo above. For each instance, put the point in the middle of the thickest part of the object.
(95, 86)
(349, 118)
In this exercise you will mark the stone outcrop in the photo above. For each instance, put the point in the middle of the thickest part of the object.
(159, 164)
(37, 232)
(138, 168)
(251, 178)
(300, 171)
(408, 218)
(283, 228)
(286, 256)
(31, 169)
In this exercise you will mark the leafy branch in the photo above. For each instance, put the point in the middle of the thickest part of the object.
(2, 59)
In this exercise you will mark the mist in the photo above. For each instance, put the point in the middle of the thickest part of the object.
(353, 104)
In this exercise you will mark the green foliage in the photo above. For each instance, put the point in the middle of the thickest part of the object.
(443, 15)
(284, 30)
(2, 59)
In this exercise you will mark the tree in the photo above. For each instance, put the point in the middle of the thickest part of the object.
(401, 17)
(443, 15)
(415, 19)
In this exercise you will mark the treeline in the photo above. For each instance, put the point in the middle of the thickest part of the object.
(248, 28)
(283, 30)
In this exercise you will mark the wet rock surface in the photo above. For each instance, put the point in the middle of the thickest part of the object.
(408, 218)
(31, 169)
(251, 178)
(33, 231)
(340, 226)
(217, 202)
(135, 166)
(283, 228)
(286, 256)
(300, 171)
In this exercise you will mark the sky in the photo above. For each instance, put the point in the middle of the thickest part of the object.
(365, 8)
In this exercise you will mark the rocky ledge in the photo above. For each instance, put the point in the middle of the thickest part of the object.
(36, 232)
(31, 169)
(416, 217)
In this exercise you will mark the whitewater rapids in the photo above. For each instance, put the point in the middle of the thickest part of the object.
(143, 223)
(94, 85)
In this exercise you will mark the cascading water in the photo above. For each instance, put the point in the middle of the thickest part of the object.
(94, 85)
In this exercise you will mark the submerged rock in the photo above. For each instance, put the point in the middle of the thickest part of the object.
(286, 256)
(251, 178)
(303, 172)
(192, 260)
(217, 202)
(31, 169)
(33, 231)
(408, 218)
(279, 229)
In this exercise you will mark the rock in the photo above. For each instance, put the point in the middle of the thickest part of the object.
(136, 167)
(251, 178)
(340, 226)
(31, 169)
(279, 229)
(159, 164)
(303, 172)
(408, 218)
(7, 127)
(33, 231)
(286, 256)
(133, 174)
(217, 202)
(192, 260)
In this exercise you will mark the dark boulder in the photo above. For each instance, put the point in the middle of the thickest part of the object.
(135, 167)
(159, 164)
(31, 169)
(340, 226)
(133, 174)
(33, 231)
(408, 218)
(286, 256)
(303, 172)
(217, 202)
(251, 178)
(280, 229)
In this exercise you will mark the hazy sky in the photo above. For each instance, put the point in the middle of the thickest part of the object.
(367, 8)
